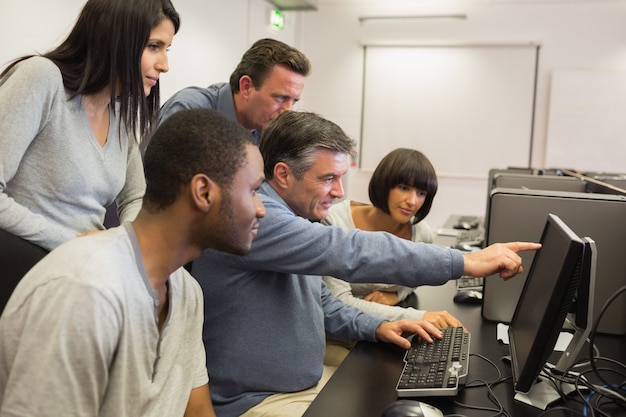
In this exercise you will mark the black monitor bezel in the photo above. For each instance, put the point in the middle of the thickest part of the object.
(561, 297)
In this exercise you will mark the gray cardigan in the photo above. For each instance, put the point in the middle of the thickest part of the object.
(55, 178)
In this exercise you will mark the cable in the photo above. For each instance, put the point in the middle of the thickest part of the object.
(592, 402)
(493, 365)
(595, 328)
(598, 393)
(479, 383)
(559, 408)
(500, 411)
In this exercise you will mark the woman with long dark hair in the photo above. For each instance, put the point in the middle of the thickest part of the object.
(72, 119)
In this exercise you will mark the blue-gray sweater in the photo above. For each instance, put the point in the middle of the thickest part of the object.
(218, 96)
(267, 313)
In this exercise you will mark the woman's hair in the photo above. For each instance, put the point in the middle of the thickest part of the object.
(403, 166)
(104, 49)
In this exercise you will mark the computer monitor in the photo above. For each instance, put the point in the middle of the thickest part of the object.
(520, 215)
(560, 282)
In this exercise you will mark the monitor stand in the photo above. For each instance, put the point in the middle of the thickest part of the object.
(543, 393)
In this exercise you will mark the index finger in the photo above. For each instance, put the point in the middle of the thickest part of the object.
(521, 246)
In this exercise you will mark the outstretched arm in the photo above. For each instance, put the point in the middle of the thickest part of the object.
(500, 258)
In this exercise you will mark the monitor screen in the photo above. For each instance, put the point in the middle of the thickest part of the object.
(547, 297)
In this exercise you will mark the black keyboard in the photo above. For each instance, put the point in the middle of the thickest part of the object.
(473, 221)
(473, 237)
(438, 368)
(470, 283)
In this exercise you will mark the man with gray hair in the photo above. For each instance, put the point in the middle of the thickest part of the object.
(267, 314)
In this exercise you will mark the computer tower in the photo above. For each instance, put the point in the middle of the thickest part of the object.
(531, 179)
(539, 182)
(519, 215)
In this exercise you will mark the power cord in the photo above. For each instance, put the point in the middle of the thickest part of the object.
(607, 388)
(499, 409)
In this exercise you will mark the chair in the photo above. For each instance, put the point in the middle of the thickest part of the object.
(17, 256)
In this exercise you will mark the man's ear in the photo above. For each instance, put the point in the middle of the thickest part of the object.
(282, 175)
(245, 86)
(204, 192)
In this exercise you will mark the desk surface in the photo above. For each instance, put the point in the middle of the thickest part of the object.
(365, 382)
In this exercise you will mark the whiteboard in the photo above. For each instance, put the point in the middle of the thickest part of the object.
(468, 108)
(587, 122)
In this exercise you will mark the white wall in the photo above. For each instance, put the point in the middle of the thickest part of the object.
(32, 26)
(574, 34)
(212, 37)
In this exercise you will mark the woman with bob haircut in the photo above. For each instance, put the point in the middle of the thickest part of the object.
(401, 190)
(72, 119)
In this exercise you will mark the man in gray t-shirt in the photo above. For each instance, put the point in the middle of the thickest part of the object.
(110, 324)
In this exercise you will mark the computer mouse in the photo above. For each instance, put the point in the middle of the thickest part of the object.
(411, 408)
(468, 297)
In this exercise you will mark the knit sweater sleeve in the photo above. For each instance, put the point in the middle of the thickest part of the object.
(27, 95)
(343, 291)
(291, 244)
(343, 322)
(129, 200)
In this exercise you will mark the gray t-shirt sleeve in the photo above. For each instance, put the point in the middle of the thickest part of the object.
(72, 377)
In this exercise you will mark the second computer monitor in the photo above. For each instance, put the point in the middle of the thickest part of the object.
(519, 215)
(547, 297)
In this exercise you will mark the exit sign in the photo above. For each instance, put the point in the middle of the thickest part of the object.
(277, 19)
